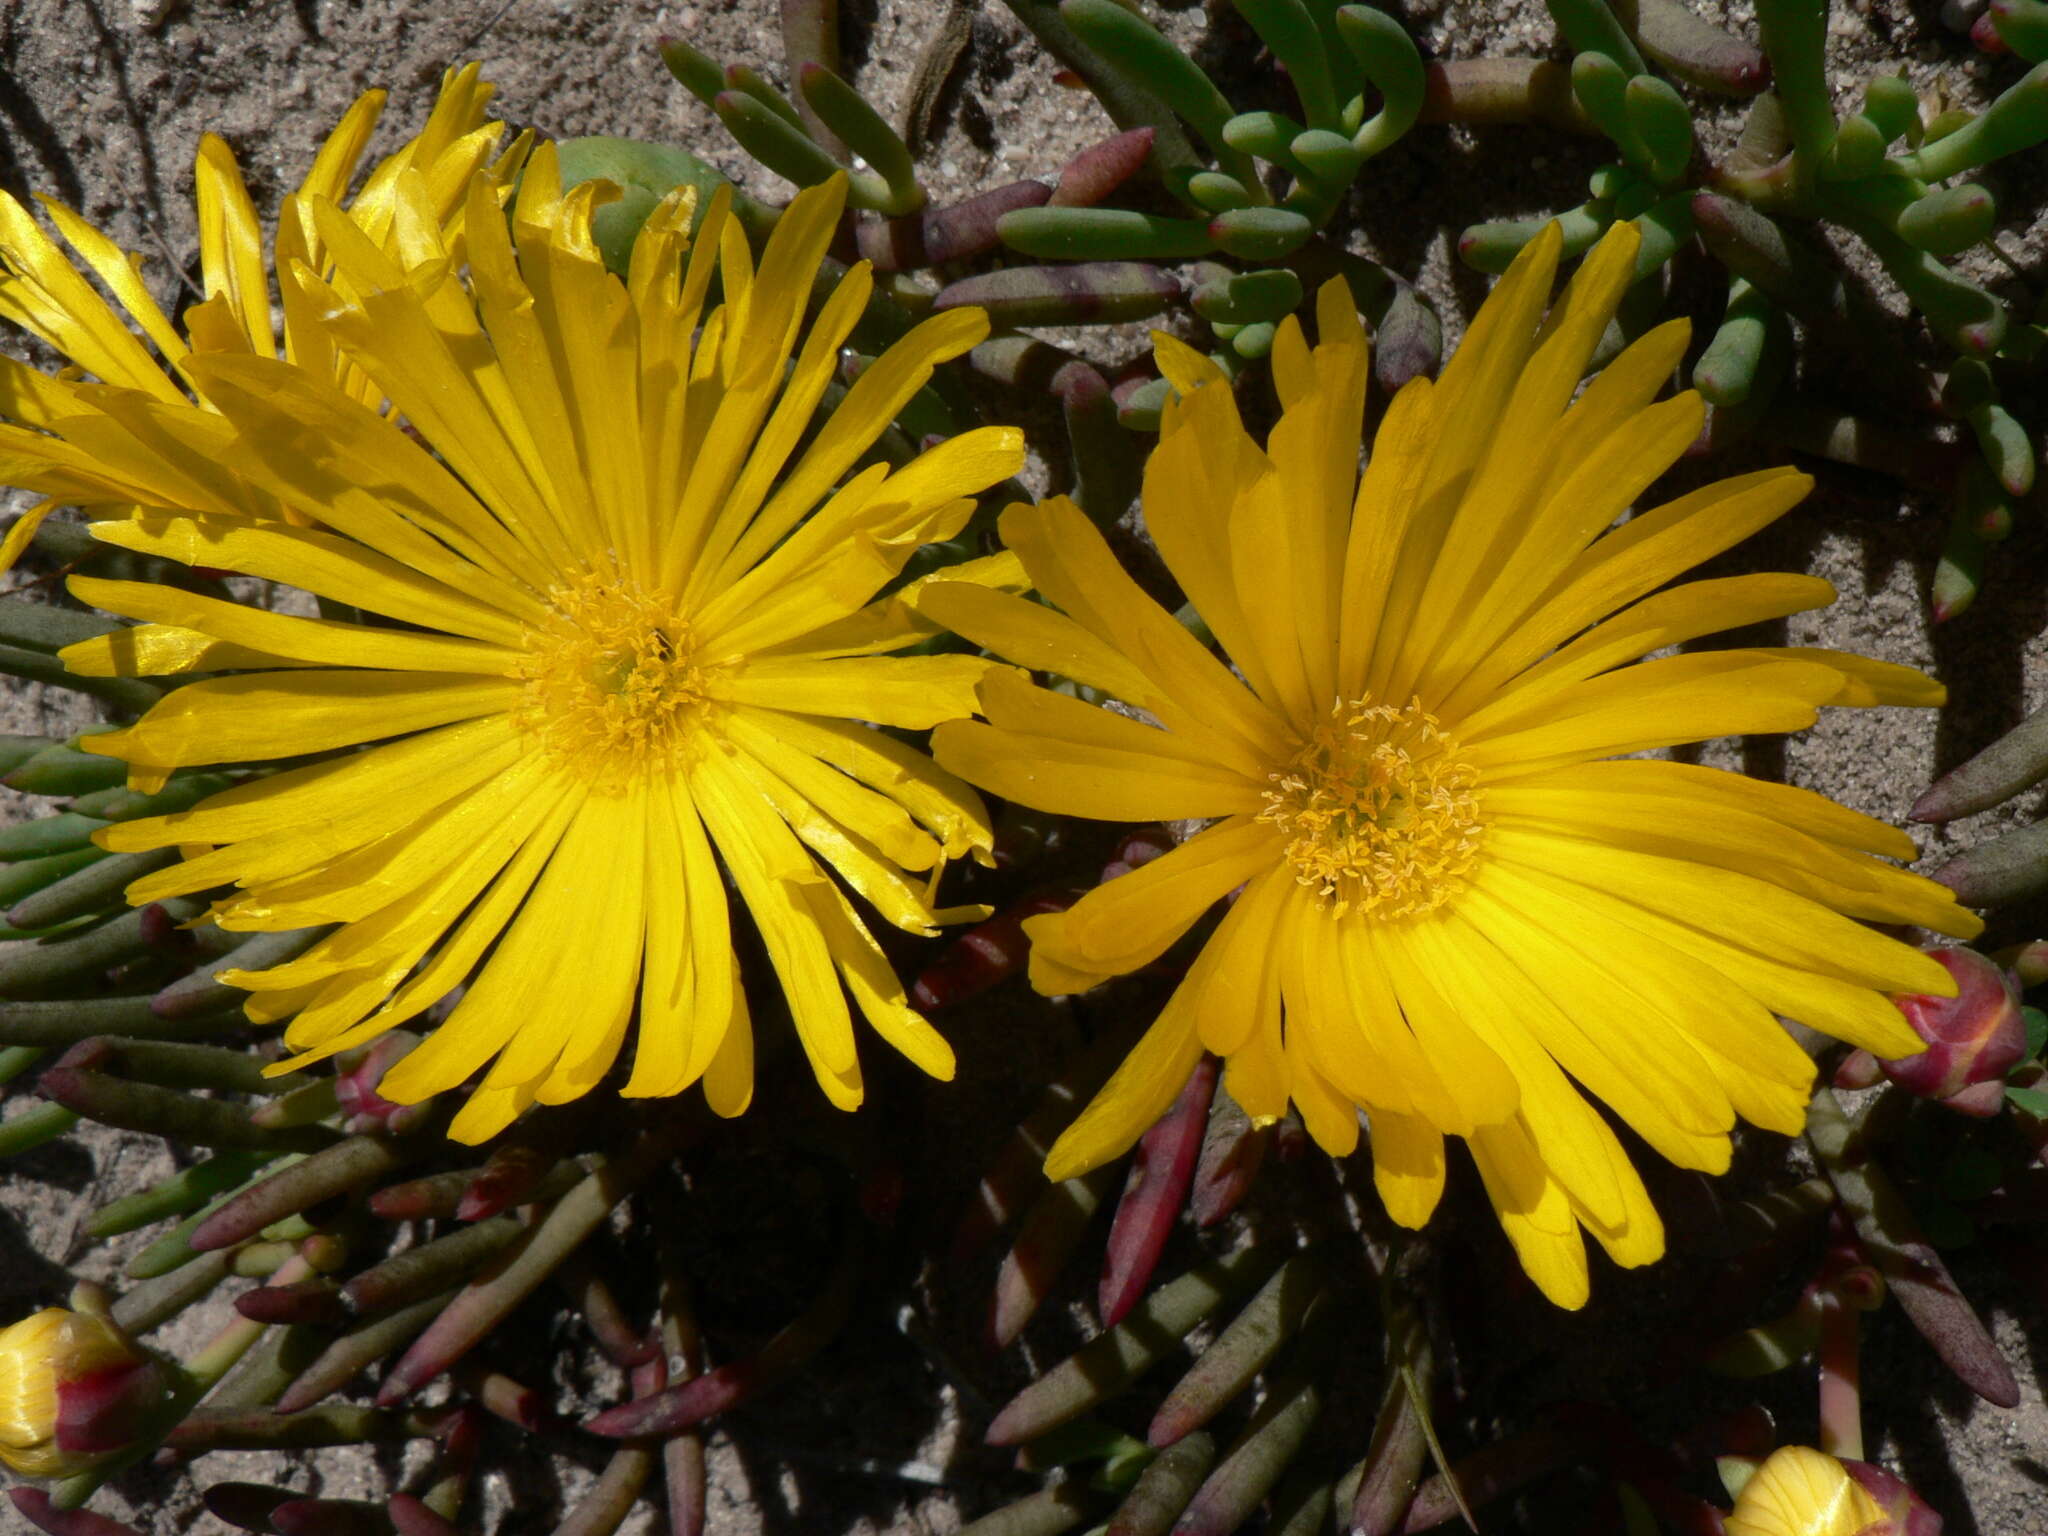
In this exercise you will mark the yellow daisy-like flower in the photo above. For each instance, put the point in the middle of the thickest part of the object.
(54, 440)
(1799, 1491)
(1457, 899)
(625, 643)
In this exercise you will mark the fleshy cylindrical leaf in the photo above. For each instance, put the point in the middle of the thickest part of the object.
(1696, 51)
(1138, 49)
(2016, 121)
(1290, 32)
(1109, 1363)
(1098, 234)
(1387, 55)
(2014, 762)
(1590, 26)
(1260, 234)
(1795, 39)
(1077, 293)
(1948, 220)
(866, 133)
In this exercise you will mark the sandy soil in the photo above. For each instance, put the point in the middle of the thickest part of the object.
(102, 103)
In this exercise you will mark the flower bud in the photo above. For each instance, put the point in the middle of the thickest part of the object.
(363, 1108)
(1973, 1039)
(1799, 1491)
(1905, 1511)
(72, 1390)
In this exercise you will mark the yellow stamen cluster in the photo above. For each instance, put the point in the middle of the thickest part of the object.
(1381, 816)
(612, 680)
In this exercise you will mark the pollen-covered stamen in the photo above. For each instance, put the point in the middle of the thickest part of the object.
(612, 680)
(1380, 814)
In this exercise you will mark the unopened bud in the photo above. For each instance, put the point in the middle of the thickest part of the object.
(1799, 1491)
(72, 1390)
(1905, 1512)
(355, 1087)
(1973, 1039)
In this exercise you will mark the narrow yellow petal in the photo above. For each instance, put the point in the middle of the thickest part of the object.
(269, 714)
(1534, 1213)
(914, 692)
(1141, 1089)
(1126, 782)
(318, 642)
(1407, 1166)
(1130, 921)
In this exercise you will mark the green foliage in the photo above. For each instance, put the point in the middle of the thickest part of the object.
(1882, 174)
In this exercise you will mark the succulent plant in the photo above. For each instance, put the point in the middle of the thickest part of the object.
(2013, 866)
(1892, 175)
(1253, 201)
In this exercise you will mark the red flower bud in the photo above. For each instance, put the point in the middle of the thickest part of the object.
(355, 1087)
(1908, 1513)
(1973, 1039)
(72, 1389)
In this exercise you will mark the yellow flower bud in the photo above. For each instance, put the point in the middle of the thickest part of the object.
(40, 1357)
(1803, 1492)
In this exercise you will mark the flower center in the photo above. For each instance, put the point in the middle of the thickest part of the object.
(612, 686)
(1380, 814)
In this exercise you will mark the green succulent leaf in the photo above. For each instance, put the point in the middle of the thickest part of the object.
(1795, 37)
(2031, 1101)
(1858, 150)
(1261, 234)
(1492, 246)
(1104, 234)
(1327, 156)
(1590, 26)
(1601, 86)
(1948, 220)
(1244, 298)
(701, 75)
(1137, 50)
(1217, 192)
(1892, 106)
(846, 113)
(1662, 124)
(1387, 55)
(1268, 135)
(1287, 28)
(2037, 1034)
(2017, 120)
(2022, 25)
(1727, 370)
(777, 140)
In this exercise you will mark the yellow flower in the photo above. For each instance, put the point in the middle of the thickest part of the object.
(617, 641)
(111, 462)
(1799, 1491)
(1455, 899)
(40, 1357)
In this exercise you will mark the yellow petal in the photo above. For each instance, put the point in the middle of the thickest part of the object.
(322, 564)
(914, 692)
(271, 714)
(1129, 781)
(1799, 1491)
(1130, 921)
(772, 870)
(1136, 1095)
(1072, 565)
(1534, 1213)
(1407, 1165)
(318, 642)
